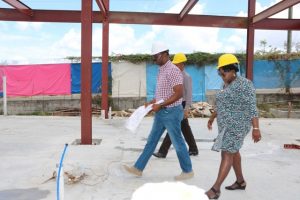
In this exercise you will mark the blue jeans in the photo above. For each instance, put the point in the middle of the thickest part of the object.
(170, 119)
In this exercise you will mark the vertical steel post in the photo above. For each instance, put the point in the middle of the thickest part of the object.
(4, 96)
(289, 34)
(86, 71)
(105, 50)
(250, 40)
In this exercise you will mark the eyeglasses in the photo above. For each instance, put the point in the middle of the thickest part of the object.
(224, 72)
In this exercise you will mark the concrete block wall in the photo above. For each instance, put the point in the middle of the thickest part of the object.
(29, 106)
(17, 106)
(262, 96)
(123, 103)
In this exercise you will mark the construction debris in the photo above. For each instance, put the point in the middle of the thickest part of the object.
(199, 109)
(291, 146)
(71, 179)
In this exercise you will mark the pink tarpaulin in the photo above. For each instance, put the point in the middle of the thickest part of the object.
(44, 79)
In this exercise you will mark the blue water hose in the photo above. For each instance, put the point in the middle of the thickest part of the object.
(58, 175)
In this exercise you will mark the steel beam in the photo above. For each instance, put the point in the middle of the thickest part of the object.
(280, 6)
(127, 18)
(105, 50)
(250, 41)
(102, 7)
(86, 71)
(186, 9)
(171, 19)
(278, 24)
(60, 16)
(20, 6)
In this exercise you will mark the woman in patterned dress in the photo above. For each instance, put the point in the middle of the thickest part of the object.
(235, 112)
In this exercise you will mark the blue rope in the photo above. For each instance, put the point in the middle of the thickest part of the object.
(59, 169)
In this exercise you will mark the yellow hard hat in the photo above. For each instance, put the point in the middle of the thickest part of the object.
(179, 58)
(226, 59)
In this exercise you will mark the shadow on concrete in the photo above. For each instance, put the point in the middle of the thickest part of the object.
(24, 194)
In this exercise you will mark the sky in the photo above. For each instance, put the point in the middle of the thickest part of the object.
(35, 42)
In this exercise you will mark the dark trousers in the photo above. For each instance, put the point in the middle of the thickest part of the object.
(188, 136)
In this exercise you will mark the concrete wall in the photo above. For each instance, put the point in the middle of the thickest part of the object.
(31, 105)
(124, 103)
(269, 97)
(284, 113)
(17, 106)
(263, 96)
(52, 103)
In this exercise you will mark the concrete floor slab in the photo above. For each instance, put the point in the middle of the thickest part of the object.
(31, 146)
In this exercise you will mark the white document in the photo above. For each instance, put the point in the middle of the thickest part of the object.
(137, 116)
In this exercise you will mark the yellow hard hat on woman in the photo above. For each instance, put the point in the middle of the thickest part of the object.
(179, 58)
(227, 59)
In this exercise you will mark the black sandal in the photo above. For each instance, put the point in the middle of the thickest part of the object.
(216, 193)
(237, 186)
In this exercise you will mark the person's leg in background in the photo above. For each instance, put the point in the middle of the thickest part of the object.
(164, 147)
(189, 137)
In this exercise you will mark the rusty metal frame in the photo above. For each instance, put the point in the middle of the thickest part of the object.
(280, 6)
(186, 9)
(105, 50)
(7, 14)
(86, 71)
(20, 6)
(87, 17)
(250, 41)
(102, 8)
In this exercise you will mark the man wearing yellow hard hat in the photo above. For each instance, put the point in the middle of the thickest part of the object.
(179, 60)
(236, 113)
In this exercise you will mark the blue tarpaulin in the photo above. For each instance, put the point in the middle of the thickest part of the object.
(212, 80)
(198, 78)
(197, 74)
(151, 74)
(270, 74)
(96, 77)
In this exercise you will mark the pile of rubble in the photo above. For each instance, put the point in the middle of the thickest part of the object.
(199, 109)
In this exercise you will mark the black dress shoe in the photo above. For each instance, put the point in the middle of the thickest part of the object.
(193, 153)
(159, 155)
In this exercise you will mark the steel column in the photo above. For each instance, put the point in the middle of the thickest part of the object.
(86, 72)
(105, 50)
(250, 40)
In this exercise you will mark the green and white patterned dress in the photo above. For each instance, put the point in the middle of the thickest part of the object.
(235, 107)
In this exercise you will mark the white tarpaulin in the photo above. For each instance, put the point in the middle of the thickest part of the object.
(128, 79)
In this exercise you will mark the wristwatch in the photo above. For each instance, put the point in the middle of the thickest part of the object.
(162, 105)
